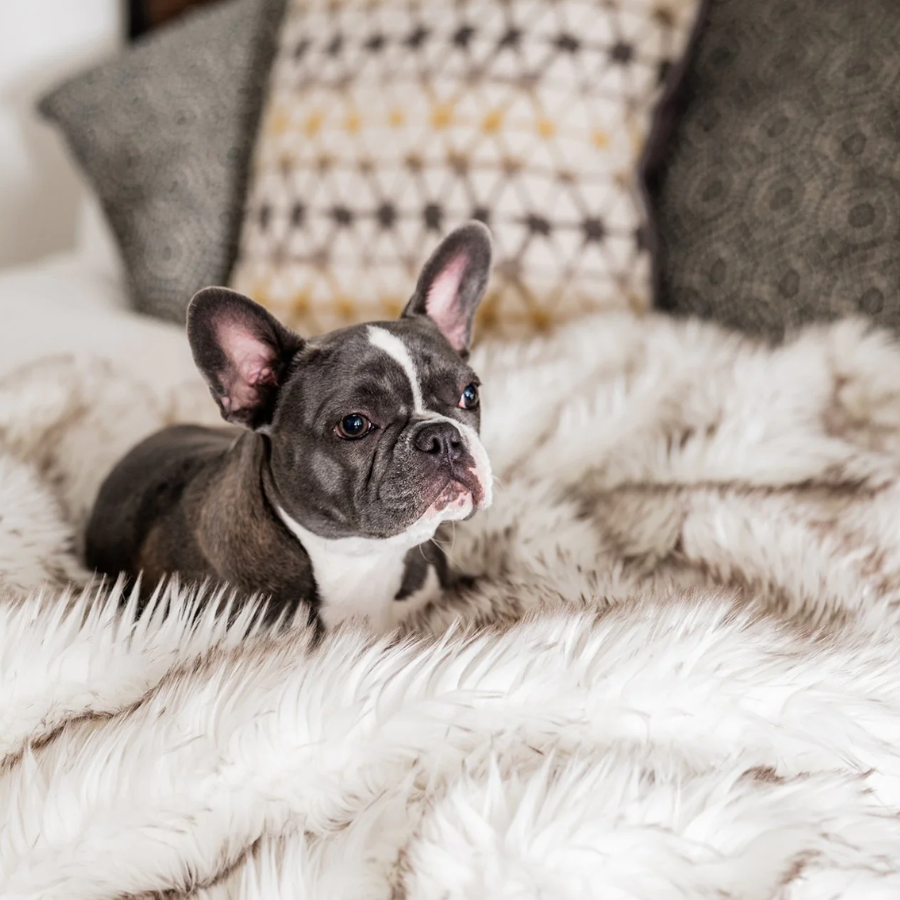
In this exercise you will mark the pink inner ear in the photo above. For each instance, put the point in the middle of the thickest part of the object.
(442, 303)
(251, 361)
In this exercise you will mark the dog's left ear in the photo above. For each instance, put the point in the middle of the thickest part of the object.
(242, 351)
(452, 283)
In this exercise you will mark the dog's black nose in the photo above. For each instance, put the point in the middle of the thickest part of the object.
(440, 439)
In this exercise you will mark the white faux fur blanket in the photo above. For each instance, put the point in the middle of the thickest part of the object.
(687, 685)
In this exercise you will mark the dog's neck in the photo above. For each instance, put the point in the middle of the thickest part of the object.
(360, 577)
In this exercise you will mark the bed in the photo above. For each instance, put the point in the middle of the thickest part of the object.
(674, 675)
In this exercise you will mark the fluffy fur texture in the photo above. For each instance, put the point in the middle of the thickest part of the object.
(686, 686)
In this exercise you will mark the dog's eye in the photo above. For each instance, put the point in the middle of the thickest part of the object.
(354, 426)
(469, 399)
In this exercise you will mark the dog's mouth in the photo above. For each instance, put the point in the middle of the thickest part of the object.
(469, 483)
(460, 498)
(453, 503)
(454, 494)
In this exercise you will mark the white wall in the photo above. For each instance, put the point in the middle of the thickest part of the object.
(41, 42)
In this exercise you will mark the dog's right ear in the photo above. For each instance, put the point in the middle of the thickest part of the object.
(242, 351)
(452, 283)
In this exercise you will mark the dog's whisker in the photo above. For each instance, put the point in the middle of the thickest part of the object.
(446, 548)
(439, 545)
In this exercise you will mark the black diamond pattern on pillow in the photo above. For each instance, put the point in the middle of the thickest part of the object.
(397, 124)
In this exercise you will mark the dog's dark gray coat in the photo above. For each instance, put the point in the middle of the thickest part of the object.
(198, 496)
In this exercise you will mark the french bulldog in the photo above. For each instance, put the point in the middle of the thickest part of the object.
(350, 450)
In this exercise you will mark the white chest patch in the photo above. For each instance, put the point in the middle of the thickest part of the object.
(359, 578)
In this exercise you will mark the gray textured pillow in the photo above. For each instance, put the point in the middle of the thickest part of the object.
(779, 200)
(164, 133)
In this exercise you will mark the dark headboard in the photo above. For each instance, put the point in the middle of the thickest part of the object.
(145, 15)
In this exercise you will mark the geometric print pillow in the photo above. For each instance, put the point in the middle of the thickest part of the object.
(389, 122)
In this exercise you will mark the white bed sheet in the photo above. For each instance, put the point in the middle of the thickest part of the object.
(76, 304)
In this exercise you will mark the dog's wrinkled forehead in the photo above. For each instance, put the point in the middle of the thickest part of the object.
(400, 363)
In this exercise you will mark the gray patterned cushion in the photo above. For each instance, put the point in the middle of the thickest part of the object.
(779, 202)
(164, 132)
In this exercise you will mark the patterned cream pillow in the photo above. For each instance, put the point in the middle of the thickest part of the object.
(388, 122)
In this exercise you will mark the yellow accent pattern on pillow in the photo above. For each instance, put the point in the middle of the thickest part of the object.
(389, 122)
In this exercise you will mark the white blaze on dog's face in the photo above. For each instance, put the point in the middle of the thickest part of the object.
(372, 429)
